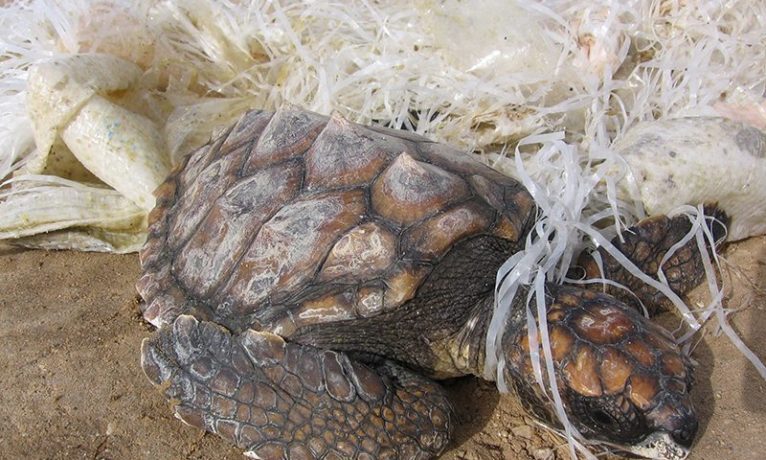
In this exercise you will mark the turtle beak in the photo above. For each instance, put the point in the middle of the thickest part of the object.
(676, 426)
(659, 445)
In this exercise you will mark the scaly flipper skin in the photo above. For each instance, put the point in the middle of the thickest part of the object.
(645, 244)
(280, 400)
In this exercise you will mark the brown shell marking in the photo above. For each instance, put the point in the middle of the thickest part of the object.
(346, 155)
(402, 284)
(514, 202)
(289, 133)
(369, 301)
(332, 307)
(194, 204)
(152, 283)
(363, 252)
(214, 249)
(246, 129)
(450, 158)
(673, 365)
(561, 343)
(187, 171)
(641, 351)
(433, 237)
(166, 306)
(290, 245)
(409, 190)
(642, 389)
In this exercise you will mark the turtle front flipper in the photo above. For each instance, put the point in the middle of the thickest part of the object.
(645, 245)
(281, 400)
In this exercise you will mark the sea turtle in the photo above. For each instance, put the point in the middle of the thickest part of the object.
(311, 278)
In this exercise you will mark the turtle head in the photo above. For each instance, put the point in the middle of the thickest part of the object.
(623, 381)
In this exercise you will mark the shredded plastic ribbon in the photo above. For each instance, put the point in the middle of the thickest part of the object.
(569, 192)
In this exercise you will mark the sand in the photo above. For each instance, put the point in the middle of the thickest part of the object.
(71, 385)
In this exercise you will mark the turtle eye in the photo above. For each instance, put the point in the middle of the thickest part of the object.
(608, 417)
(602, 418)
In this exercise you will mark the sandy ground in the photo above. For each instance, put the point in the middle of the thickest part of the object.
(71, 386)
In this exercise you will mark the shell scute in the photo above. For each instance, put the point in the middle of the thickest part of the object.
(402, 284)
(331, 307)
(246, 129)
(510, 198)
(363, 252)
(399, 133)
(289, 133)
(433, 238)
(459, 162)
(213, 251)
(369, 301)
(195, 202)
(410, 190)
(346, 154)
(196, 162)
(289, 247)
